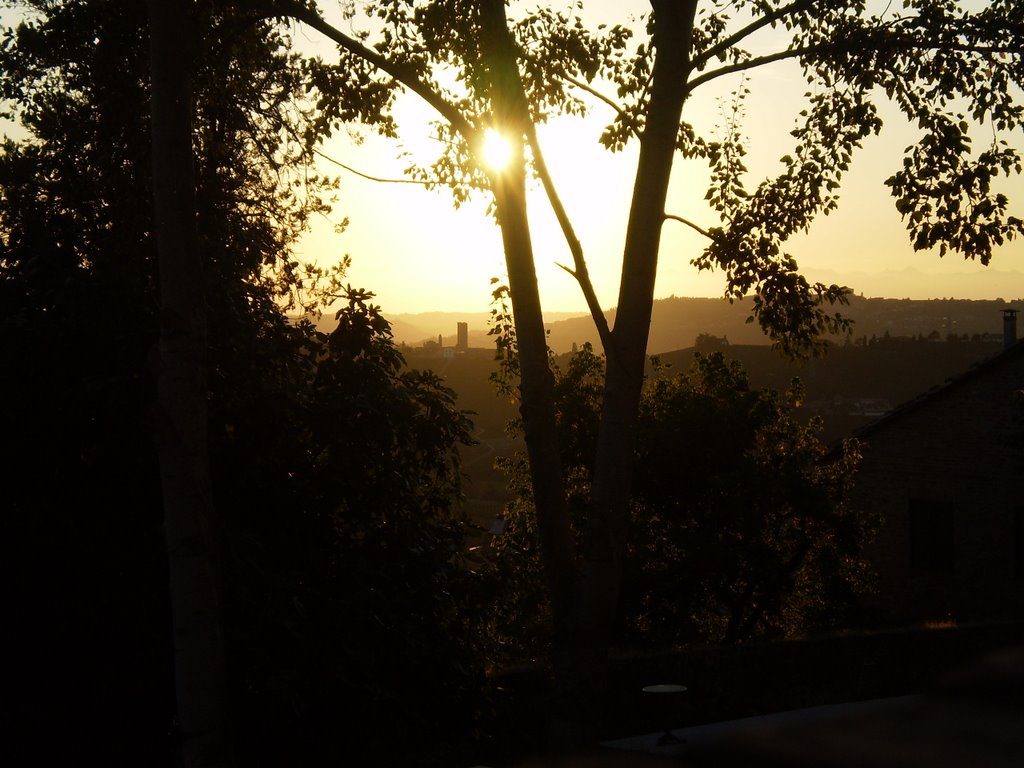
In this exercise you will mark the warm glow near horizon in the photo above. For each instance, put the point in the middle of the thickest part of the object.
(418, 253)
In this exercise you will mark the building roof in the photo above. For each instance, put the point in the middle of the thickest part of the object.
(1010, 356)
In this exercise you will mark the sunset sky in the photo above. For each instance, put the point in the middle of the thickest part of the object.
(419, 254)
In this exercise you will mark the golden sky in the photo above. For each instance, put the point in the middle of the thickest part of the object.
(417, 253)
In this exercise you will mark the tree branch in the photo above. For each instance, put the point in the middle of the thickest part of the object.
(837, 48)
(580, 272)
(368, 177)
(601, 97)
(690, 224)
(400, 74)
(748, 30)
(760, 61)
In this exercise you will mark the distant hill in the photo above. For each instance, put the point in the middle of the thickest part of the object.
(897, 283)
(853, 384)
(677, 322)
(415, 328)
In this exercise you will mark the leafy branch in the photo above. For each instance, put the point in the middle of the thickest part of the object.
(720, 48)
(403, 75)
(623, 115)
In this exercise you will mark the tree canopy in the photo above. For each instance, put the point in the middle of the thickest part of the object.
(740, 527)
(484, 65)
(376, 509)
(335, 477)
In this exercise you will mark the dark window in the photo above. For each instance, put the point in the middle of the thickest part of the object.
(931, 535)
(1018, 542)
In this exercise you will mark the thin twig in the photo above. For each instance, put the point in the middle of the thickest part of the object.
(691, 225)
(623, 115)
(367, 176)
(575, 248)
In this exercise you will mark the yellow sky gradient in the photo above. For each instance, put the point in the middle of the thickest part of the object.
(418, 254)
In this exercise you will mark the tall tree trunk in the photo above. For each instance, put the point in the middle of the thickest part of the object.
(540, 425)
(536, 380)
(596, 595)
(536, 389)
(184, 466)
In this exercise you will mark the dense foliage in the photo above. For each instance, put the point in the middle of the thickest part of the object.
(335, 470)
(744, 531)
(487, 63)
(739, 525)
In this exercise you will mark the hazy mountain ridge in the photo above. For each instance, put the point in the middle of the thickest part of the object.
(677, 321)
(415, 328)
(912, 282)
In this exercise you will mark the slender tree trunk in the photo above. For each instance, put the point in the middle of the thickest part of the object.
(585, 603)
(536, 389)
(540, 425)
(596, 595)
(184, 466)
(536, 380)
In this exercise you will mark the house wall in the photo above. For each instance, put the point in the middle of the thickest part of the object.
(961, 445)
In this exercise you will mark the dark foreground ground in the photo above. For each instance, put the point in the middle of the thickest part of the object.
(974, 717)
(931, 697)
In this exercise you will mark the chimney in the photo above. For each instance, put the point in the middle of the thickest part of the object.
(1009, 328)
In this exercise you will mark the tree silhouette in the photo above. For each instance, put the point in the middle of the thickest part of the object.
(195, 584)
(933, 62)
(739, 527)
(333, 488)
(745, 532)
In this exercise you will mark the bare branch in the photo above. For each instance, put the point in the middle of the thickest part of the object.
(575, 248)
(367, 176)
(759, 61)
(690, 224)
(601, 97)
(401, 74)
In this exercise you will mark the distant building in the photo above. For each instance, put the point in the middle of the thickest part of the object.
(708, 342)
(462, 343)
(946, 471)
(1009, 328)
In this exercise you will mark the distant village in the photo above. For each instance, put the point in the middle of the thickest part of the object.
(939, 418)
(677, 322)
(432, 349)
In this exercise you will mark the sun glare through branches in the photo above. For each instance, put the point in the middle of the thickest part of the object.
(495, 150)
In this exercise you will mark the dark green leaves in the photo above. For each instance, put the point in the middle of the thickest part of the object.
(935, 56)
(749, 248)
(946, 196)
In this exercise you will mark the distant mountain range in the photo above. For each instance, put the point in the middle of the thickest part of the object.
(982, 283)
(677, 322)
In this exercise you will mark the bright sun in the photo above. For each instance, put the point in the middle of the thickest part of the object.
(496, 150)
